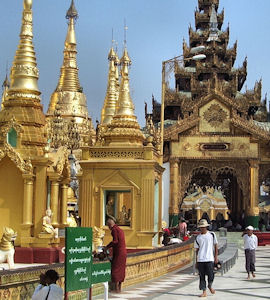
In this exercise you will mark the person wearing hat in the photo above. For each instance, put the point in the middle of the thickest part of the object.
(206, 256)
(250, 245)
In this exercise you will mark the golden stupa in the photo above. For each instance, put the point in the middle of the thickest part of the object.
(32, 178)
(68, 95)
(122, 173)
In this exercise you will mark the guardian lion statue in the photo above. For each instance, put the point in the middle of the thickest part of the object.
(7, 250)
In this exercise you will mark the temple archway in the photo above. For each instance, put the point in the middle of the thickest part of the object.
(213, 189)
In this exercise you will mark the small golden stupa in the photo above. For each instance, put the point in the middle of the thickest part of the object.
(122, 173)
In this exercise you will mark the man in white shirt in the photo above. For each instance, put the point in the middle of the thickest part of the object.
(250, 245)
(48, 289)
(206, 256)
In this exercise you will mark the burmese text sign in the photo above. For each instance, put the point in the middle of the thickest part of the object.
(78, 261)
(101, 272)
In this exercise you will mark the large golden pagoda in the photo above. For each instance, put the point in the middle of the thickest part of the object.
(68, 95)
(32, 178)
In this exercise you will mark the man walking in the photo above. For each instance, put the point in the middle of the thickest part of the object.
(250, 245)
(206, 256)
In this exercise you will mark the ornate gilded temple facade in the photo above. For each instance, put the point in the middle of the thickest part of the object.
(122, 172)
(215, 136)
(68, 100)
(32, 178)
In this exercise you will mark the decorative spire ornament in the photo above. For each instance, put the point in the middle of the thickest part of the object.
(111, 97)
(5, 87)
(213, 24)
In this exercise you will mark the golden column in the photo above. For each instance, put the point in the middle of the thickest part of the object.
(54, 202)
(212, 211)
(253, 212)
(27, 218)
(174, 166)
(28, 199)
(64, 204)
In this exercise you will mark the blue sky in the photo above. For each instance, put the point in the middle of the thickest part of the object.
(156, 29)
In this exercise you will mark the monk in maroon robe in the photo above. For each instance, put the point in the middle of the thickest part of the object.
(118, 264)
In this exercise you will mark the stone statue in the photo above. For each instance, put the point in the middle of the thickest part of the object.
(110, 207)
(123, 216)
(47, 224)
(7, 248)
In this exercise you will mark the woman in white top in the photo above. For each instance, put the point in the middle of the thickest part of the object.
(48, 289)
(250, 245)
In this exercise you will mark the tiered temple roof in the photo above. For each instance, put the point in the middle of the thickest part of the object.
(194, 79)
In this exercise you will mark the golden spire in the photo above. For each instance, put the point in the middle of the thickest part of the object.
(117, 83)
(22, 102)
(69, 78)
(124, 127)
(125, 105)
(24, 73)
(68, 94)
(110, 101)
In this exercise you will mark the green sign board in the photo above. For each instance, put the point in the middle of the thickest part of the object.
(78, 260)
(101, 272)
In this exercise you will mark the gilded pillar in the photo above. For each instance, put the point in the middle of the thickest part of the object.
(147, 205)
(254, 194)
(212, 217)
(27, 213)
(28, 201)
(64, 204)
(174, 199)
(54, 202)
(86, 206)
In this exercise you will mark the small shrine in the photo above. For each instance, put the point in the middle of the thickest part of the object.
(122, 172)
(210, 200)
